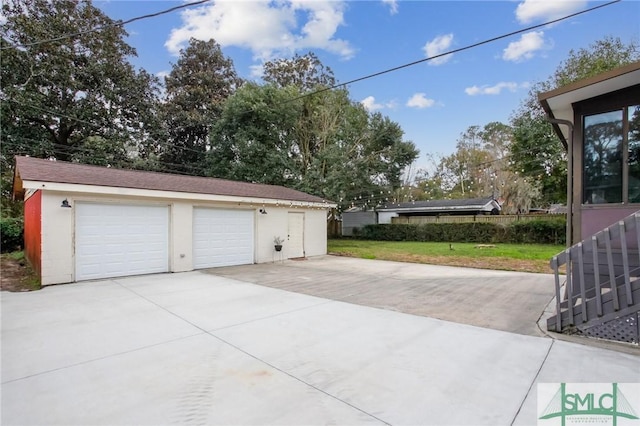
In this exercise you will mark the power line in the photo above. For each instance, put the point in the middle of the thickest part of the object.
(471, 46)
(450, 52)
(102, 27)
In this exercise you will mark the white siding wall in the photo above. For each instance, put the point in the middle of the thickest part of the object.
(315, 232)
(57, 239)
(385, 217)
(275, 224)
(58, 227)
(181, 237)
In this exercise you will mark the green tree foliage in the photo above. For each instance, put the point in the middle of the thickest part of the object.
(472, 169)
(253, 138)
(75, 98)
(196, 90)
(348, 152)
(305, 72)
(601, 56)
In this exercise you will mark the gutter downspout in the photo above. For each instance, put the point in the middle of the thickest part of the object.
(569, 176)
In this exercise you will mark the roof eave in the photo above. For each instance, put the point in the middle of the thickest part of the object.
(564, 97)
(432, 209)
(17, 188)
(154, 193)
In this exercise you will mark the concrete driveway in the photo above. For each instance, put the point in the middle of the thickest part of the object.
(508, 301)
(197, 348)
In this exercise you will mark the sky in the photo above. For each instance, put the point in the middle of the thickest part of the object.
(434, 101)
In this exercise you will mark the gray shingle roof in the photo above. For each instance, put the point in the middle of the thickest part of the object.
(35, 169)
(459, 204)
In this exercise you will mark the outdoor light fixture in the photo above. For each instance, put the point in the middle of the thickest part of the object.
(65, 204)
(263, 211)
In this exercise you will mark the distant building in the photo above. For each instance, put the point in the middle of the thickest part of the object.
(357, 218)
(469, 206)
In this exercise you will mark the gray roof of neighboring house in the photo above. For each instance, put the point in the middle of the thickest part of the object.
(468, 204)
(35, 169)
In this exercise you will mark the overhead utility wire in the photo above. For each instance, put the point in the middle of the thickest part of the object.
(102, 27)
(487, 41)
(450, 52)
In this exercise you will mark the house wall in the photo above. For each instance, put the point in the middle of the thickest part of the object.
(33, 230)
(596, 219)
(357, 219)
(315, 232)
(591, 218)
(57, 239)
(58, 228)
(386, 217)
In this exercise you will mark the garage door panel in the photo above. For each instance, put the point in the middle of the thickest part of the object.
(119, 240)
(222, 237)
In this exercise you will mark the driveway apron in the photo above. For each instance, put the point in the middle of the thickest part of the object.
(197, 348)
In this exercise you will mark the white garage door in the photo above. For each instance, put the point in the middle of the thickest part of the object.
(115, 240)
(222, 237)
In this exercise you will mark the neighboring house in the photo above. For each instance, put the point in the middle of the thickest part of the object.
(470, 206)
(357, 218)
(598, 121)
(87, 222)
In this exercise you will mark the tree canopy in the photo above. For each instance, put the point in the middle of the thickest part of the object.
(346, 153)
(76, 98)
(79, 98)
(196, 89)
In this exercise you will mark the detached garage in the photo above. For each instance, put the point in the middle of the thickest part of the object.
(87, 222)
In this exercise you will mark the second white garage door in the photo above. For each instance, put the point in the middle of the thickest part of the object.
(222, 237)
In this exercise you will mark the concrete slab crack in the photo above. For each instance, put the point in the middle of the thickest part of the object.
(533, 382)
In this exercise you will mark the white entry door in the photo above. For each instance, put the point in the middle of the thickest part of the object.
(115, 240)
(222, 237)
(295, 237)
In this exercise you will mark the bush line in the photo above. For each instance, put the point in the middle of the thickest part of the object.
(530, 232)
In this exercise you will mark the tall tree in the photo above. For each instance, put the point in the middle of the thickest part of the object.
(320, 113)
(253, 138)
(354, 153)
(196, 89)
(73, 98)
(305, 72)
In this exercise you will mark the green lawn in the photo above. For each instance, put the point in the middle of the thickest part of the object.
(515, 257)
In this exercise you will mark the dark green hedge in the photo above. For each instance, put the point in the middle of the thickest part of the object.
(11, 231)
(530, 232)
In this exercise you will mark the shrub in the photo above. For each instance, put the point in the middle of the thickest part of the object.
(11, 234)
(533, 232)
(539, 231)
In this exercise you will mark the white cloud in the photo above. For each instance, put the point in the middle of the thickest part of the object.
(267, 28)
(524, 48)
(495, 89)
(256, 70)
(420, 100)
(547, 10)
(393, 6)
(437, 46)
(370, 104)
(162, 74)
